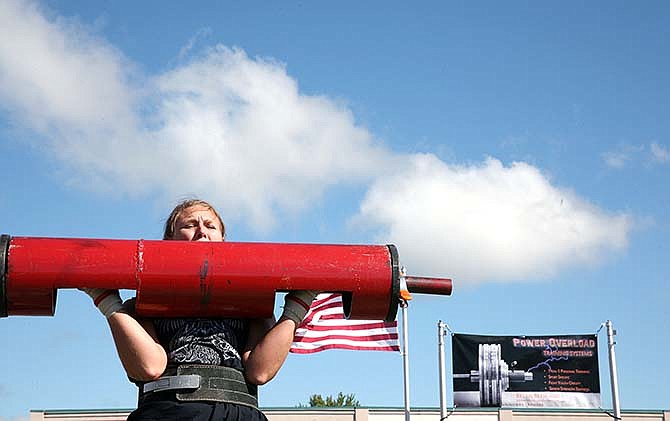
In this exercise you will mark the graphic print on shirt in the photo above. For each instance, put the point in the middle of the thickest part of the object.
(203, 341)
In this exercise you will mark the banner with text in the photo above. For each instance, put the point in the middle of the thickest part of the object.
(526, 371)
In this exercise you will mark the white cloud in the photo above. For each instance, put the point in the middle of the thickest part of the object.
(230, 128)
(237, 131)
(626, 155)
(186, 49)
(615, 160)
(56, 75)
(240, 128)
(623, 156)
(659, 153)
(487, 222)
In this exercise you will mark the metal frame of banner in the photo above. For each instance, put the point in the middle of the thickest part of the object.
(443, 329)
(614, 383)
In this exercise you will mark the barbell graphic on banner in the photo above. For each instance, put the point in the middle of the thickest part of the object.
(493, 375)
(205, 279)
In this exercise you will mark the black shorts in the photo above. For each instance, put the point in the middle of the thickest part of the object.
(167, 410)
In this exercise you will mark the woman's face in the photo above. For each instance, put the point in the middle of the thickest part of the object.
(197, 223)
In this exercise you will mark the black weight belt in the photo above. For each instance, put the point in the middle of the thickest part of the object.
(201, 383)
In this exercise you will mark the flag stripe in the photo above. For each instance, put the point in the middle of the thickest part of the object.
(325, 327)
(341, 345)
(345, 338)
(363, 344)
(353, 328)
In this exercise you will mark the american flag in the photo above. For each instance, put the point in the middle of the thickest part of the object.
(325, 327)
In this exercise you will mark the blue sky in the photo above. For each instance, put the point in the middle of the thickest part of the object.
(521, 148)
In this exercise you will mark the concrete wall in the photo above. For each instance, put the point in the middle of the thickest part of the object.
(383, 414)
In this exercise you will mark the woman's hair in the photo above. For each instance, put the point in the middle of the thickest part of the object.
(168, 232)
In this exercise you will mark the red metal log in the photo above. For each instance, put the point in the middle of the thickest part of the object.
(198, 279)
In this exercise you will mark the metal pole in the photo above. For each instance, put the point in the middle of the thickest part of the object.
(405, 358)
(613, 376)
(443, 383)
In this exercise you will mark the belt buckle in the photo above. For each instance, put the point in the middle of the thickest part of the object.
(183, 381)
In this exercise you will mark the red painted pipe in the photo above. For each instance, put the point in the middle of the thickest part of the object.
(200, 279)
(422, 285)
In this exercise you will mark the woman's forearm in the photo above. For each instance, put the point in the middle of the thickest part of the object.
(142, 357)
(263, 361)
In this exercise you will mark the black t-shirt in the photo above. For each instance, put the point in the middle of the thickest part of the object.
(203, 341)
